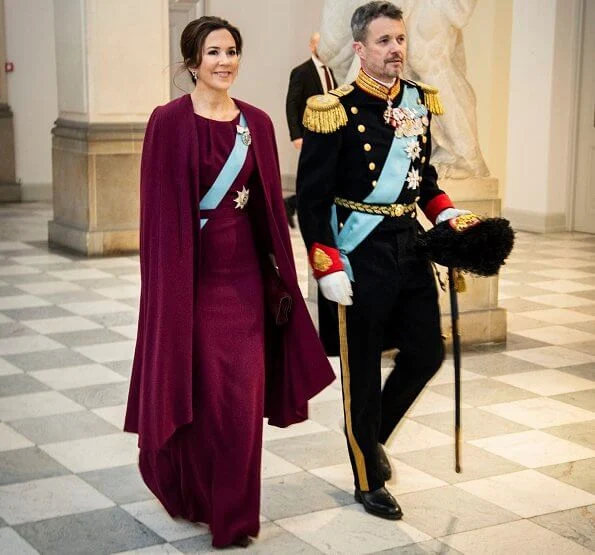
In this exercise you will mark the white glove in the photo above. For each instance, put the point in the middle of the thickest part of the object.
(449, 214)
(336, 287)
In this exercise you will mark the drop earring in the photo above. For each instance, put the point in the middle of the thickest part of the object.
(194, 74)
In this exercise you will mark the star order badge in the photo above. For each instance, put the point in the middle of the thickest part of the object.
(245, 133)
(413, 179)
(241, 198)
(413, 149)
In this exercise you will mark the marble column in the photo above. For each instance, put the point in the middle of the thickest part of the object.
(9, 188)
(113, 70)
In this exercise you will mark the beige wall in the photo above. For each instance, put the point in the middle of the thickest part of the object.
(488, 59)
(529, 121)
(32, 90)
(71, 50)
(276, 34)
(562, 129)
(3, 84)
(544, 49)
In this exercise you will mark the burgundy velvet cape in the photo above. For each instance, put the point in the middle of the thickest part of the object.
(160, 397)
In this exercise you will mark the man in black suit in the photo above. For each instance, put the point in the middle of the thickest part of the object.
(310, 78)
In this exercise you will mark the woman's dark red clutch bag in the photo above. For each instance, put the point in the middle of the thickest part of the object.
(277, 299)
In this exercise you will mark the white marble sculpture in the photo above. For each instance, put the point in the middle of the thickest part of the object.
(435, 56)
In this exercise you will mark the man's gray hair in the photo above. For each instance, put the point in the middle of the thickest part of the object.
(362, 17)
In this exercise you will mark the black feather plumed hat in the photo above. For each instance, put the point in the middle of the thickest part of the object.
(469, 243)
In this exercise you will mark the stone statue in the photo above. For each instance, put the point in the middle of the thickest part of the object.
(435, 56)
(336, 42)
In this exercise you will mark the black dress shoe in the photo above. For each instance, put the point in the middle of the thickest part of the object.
(384, 464)
(379, 503)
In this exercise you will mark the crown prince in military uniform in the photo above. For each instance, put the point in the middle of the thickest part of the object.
(364, 171)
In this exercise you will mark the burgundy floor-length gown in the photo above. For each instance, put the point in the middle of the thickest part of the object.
(209, 471)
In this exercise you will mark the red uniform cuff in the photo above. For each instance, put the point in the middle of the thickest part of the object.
(436, 205)
(324, 260)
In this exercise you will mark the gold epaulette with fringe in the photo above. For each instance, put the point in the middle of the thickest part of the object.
(324, 113)
(431, 98)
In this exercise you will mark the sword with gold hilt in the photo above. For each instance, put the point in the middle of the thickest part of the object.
(453, 279)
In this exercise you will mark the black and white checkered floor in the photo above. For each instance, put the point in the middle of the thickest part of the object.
(68, 478)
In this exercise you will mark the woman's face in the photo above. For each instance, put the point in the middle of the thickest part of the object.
(220, 60)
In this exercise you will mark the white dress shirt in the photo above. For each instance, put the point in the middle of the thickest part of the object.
(321, 76)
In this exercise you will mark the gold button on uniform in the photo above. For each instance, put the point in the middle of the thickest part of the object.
(372, 166)
(367, 147)
(424, 139)
(374, 183)
(361, 128)
(423, 159)
(354, 110)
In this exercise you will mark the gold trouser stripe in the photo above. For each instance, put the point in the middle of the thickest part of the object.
(360, 463)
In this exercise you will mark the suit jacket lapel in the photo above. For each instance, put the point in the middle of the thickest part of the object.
(316, 77)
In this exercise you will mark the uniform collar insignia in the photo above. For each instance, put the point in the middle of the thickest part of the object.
(374, 88)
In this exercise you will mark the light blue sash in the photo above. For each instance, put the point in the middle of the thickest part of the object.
(388, 188)
(227, 175)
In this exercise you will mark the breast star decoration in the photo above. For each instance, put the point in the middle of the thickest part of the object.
(413, 149)
(242, 198)
(413, 179)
